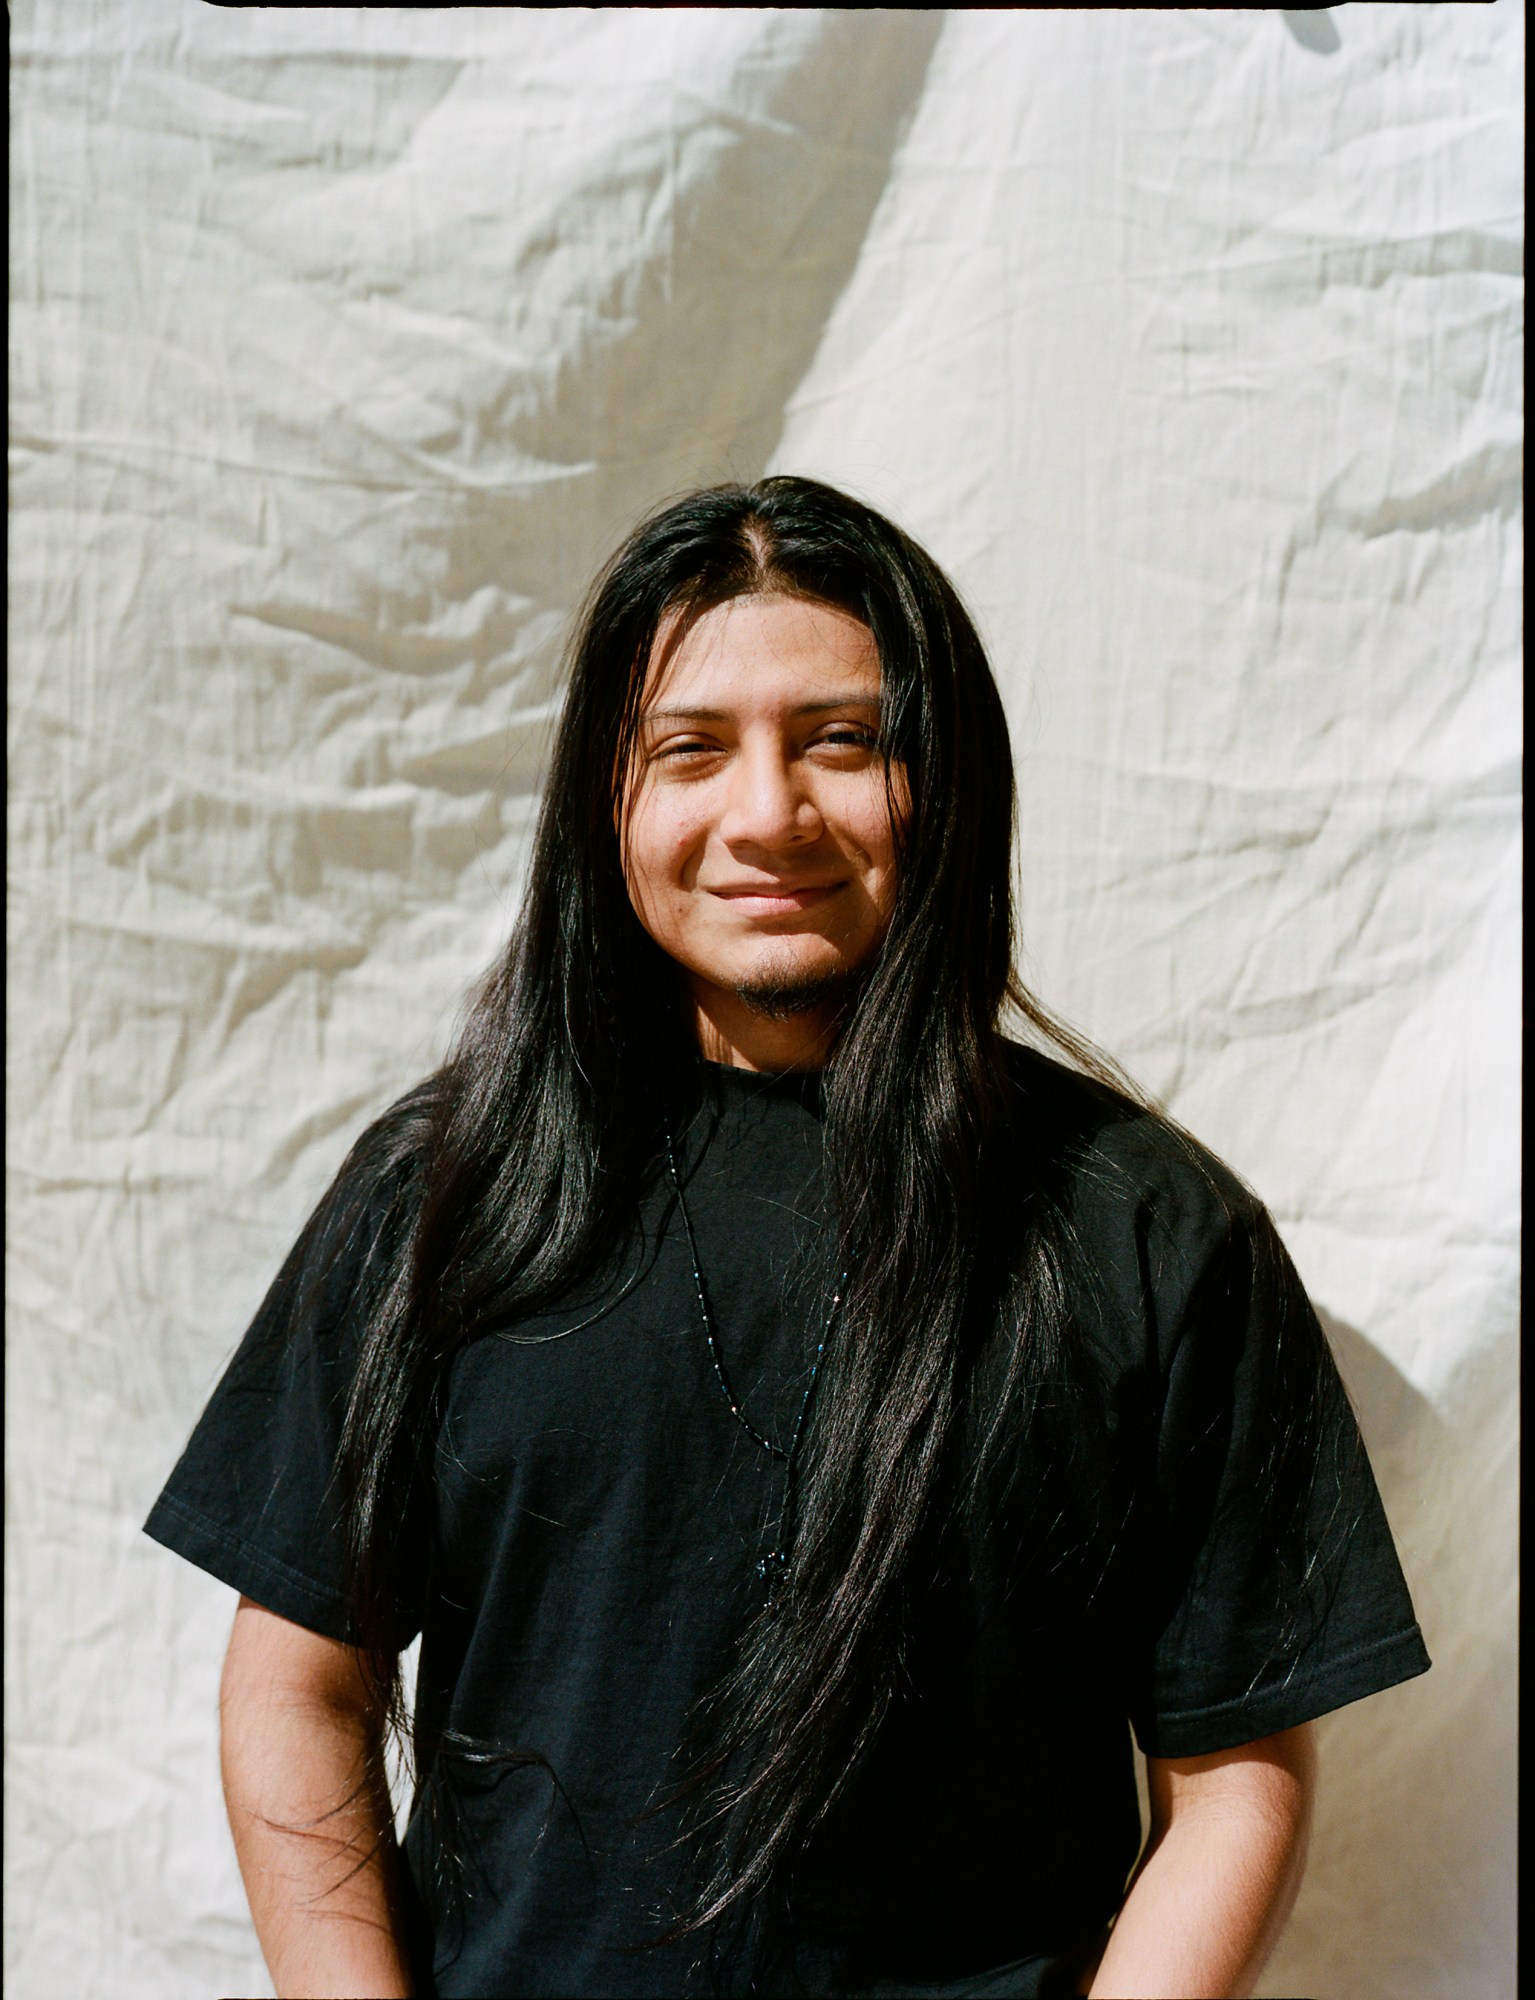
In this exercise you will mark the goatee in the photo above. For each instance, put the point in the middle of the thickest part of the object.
(782, 997)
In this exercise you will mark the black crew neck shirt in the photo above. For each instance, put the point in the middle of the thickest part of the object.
(585, 1552)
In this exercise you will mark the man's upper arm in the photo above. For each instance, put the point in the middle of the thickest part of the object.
(271, 1656)
(1274, 1775)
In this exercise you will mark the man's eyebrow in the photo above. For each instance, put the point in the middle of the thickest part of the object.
(723, 715)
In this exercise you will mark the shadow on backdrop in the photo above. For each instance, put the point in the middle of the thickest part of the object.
(1314, 28)
(1440, 1753)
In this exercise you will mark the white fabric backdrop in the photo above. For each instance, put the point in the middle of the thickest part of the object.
(346, 342)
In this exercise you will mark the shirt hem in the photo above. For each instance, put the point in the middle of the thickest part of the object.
(254, 1572)
(1224, 1725)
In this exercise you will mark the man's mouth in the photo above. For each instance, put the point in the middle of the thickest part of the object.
(774, 899)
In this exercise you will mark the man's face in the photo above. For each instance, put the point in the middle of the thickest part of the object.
(758, 847)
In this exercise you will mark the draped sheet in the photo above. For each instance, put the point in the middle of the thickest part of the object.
(346, 343)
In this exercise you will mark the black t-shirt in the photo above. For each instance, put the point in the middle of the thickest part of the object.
(584, 1554)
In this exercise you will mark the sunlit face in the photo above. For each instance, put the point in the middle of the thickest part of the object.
(758, 846)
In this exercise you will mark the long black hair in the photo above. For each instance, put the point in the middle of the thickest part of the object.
(528, 1151)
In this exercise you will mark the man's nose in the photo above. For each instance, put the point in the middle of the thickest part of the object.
(768, 805)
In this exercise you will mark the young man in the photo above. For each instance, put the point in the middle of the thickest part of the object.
(807, 1429)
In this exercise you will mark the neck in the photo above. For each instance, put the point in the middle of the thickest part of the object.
(728, 1031)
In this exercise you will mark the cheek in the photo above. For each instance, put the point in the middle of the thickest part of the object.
(662, 837)
(866, 823)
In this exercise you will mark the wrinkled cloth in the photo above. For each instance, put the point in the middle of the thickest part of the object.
(345, 345)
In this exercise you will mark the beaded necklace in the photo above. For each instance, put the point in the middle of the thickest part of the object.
(771, 1566)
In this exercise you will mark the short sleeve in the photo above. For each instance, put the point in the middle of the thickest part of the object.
(1273, 1592)
(253, 1499)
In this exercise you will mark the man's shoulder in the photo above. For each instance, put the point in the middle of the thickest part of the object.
(372, 1199)
(1119, 1156)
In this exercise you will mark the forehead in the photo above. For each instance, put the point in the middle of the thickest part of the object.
(761, 646)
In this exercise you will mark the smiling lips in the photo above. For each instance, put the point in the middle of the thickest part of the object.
(775, 899)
